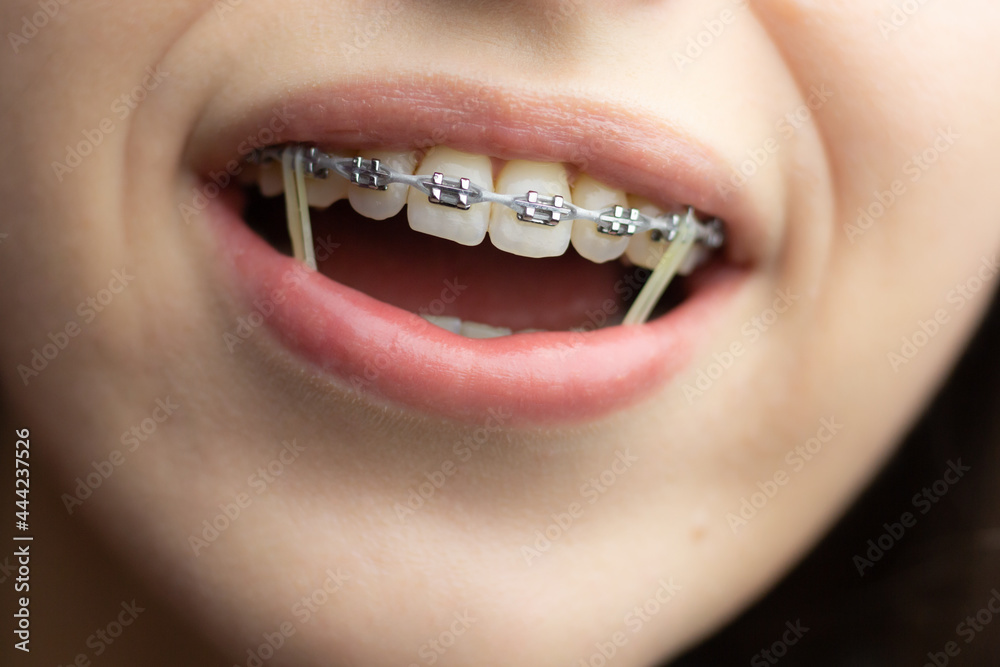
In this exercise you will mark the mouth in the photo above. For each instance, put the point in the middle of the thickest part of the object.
(458, 308)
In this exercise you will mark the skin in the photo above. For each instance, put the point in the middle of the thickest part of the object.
(667, 517)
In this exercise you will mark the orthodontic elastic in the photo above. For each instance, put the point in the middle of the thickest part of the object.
(682, 231)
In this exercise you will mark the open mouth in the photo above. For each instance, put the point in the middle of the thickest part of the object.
(455, 309)
(576, 259)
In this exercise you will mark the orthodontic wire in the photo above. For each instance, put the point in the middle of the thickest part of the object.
(681, 231)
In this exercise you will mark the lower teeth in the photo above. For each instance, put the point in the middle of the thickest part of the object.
(477, 330)
(468, 329)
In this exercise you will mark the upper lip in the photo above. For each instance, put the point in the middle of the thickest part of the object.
(651, 157)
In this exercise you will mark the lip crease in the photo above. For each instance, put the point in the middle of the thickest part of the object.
(538, 379)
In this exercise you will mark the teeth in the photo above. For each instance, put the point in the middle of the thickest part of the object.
(383, 204)
(642, 250)
(469, 227)
(476, 330)
(467, 329)
(525, 238)
(323, 192)
(464, 227)
(452, 324)
(589, 242)
(270, 179)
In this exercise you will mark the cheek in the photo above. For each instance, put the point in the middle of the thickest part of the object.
(895, 81)
(897, 270)
(910, 144)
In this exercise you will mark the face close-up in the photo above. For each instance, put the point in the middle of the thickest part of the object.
(455, 443)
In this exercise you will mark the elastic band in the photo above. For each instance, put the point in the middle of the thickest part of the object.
(664, 272)
(296, 207)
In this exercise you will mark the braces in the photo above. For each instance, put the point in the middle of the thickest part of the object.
(681, 231)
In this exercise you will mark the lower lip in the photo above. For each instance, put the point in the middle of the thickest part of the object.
(388, 354)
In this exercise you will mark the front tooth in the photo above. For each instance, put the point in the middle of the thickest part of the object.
(464, 227)
(642, 249)
(271, 179)
(518, 177)
(590, 243)
(322, 192)
(382, 204)
(477, 330)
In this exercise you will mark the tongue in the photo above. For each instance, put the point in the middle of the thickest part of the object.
(427, 275)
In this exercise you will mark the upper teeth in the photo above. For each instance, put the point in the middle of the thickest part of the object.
(465, 227)
(506, 231)
(383, 204)
(587, 240)
(524, 238)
